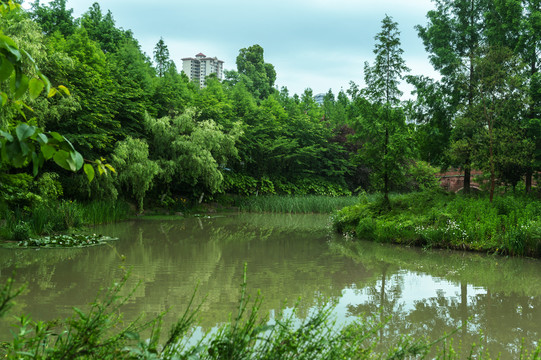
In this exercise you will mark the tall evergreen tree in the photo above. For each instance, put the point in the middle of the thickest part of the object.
(382, 123)
(161, 58)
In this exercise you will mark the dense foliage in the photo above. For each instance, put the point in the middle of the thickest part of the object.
(511, 225)
(175, 142)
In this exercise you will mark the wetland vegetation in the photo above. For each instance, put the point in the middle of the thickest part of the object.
(93, 130)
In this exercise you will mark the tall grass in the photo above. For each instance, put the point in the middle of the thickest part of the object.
(51, 217)
(297, 204)
(100, 212)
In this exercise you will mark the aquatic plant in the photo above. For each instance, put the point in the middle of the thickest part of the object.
(297, 204)
(73, 240)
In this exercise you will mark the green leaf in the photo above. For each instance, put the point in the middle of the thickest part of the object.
(35, 86)
(64, 89)
(110, 168)
(77, 160)
(6, 135)
(48, 151)
(89, 171)
(19, 85)
(3, 98)
(6, 69)
(9, 45)
(46, 82)
(56, 136)
(24, 131)
(52, 92)
(62, 159)
(42, 138)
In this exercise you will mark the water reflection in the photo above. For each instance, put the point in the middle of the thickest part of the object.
(288, 256)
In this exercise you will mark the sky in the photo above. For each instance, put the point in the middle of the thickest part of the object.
(317, 44)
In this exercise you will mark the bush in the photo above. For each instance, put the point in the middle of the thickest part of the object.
(21, 232)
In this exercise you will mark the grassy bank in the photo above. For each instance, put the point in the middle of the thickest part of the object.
(101, 333)
(297, 204)
(53, 217)
(510, 225)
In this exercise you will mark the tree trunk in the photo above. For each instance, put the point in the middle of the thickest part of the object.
(529, 174)
(467, 177)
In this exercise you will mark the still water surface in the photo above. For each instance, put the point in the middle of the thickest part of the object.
(288, 257)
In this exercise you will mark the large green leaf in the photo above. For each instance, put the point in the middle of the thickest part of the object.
(6, 68)
(48, 151)
(35, 87)
(9, 45)
(62, 158)
(19, 84)
(77, 159)
(24, 131)
(89, 171)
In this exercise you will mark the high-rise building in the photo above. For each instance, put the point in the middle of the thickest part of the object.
(201, 66)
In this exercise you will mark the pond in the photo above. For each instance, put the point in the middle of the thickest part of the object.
(426, 292)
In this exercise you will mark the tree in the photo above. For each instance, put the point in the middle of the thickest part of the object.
(161, 58)
(101, 28)
(54, 17)
(529, 48)
(23, 144)
(499, 108)
(136, 171)
(382, 123)
(258, 76)
(453, 37)
(191, 155)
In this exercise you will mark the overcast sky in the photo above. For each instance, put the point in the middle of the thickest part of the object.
(320, 44)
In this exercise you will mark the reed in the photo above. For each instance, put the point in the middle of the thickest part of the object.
(53, 217)
(297, 204)
(100, 212)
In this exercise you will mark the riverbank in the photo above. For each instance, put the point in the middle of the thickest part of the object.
(510, 225)
(58, 217)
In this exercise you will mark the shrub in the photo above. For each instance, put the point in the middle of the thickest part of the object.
(21, 231)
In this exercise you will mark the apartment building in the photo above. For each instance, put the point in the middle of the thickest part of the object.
(201, 66)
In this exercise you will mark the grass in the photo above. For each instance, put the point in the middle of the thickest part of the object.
(297, 204)
(101, 333)
(510, 225)
(53, 217)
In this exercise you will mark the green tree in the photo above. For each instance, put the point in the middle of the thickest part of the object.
(23, 144)
(501, 100)
(161, 58)
(190, 154)
(136, 171)
(101, 28)
(54, 17)
(529, 48)
(454, 37)
(258, 76)
(382, 123)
